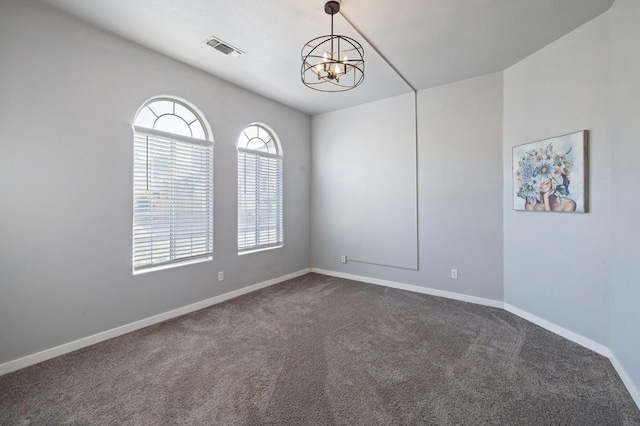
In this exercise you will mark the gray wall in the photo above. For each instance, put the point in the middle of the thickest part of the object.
(364, 180)
(69, 96)
(624, 339)
(70, 93)
(557, 265)
(581, 272)
(459, 187)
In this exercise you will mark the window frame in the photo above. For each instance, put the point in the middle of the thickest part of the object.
(273, 159)
(173, 193)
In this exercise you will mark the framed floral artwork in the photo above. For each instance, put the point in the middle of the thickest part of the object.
(551, 175)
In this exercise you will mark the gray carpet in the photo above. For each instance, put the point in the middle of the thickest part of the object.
(319, 350)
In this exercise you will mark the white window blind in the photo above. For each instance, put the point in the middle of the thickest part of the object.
(259, 200)
(173, 198)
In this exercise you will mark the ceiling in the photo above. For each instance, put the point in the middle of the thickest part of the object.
(429, 42)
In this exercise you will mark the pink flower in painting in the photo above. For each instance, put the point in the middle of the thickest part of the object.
(538, 158)
(558, 171)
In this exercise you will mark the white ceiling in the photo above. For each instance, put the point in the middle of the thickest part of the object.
(430, 42)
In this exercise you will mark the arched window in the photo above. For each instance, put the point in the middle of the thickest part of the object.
(172, 185)
(259, 189)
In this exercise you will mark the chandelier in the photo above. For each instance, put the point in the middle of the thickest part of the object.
(332, 63)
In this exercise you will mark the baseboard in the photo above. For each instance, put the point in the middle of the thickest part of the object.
(412, 288)
(631, 387)
(574, 337)
(583, 341)
(554, 328)
(36, 358)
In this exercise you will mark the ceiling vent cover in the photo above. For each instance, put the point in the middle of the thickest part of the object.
(223, 47)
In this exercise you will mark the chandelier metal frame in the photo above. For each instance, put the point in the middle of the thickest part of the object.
(332, 63)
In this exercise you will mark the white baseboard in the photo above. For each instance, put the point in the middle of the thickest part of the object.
(631, 387)
(583, 341)
(413, 288)
(554, 328)
(36, 358)
(119, 331)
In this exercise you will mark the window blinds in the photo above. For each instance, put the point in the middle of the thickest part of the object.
(259, 200)
(172, 200)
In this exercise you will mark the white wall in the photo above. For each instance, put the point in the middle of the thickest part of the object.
(625, 194)
(69, 95)
(459, 187)
(557, 265)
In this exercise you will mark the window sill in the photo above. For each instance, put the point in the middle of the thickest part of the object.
(171, 265)
(242, 253)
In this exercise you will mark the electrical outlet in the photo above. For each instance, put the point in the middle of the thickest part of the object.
(220, 275)
(343, 259)
(454, 274)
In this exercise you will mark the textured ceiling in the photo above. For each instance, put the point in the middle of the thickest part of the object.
(430, 42)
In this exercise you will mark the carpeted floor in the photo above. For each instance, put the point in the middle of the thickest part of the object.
(320, 350)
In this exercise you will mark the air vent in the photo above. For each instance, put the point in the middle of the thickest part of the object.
(223, 47)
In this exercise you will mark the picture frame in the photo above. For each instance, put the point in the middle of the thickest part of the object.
(550, 175)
